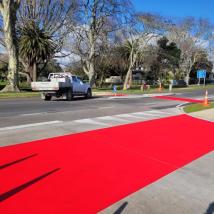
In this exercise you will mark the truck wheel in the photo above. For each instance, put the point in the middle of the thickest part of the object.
(69, 95)
(88, 94)
(47, 98)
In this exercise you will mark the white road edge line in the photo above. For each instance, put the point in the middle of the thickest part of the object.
(158, 112)
(112, 118)
(180, 105)
(106, 107)
(90, 121)
(30, 125)
(32, 114)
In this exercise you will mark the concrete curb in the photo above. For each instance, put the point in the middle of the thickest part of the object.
(132, 95)
(199, 114)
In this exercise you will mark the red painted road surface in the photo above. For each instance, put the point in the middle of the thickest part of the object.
(85, 173)
(179, 99)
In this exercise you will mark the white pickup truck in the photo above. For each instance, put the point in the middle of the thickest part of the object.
(63, 85)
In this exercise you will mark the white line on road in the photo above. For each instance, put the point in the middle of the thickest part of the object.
(106, 107)
(112, 118)
(144, 114)
(90, 121)
(34, 114)
(180, 105)
(158, 112)
(148, 104)
(129, 116)
(30, 125)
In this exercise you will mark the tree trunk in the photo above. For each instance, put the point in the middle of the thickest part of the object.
(91, 74)
(27, 76)
(88, 68)
(9, 19)
(128, 80)
(28, 71)
(188, 71)
(88, 65)
(34, 72)
(102, 79)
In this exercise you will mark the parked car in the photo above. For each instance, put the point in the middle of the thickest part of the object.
(179, 83)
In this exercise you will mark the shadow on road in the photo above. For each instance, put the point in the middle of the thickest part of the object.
(121, 208)
(210, 209)
(20, 188)
(76, 99)
(16, 161)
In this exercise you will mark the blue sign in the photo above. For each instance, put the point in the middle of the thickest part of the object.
(201, 74)
(115, 88)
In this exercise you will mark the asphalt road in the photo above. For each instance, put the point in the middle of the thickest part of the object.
(24, 111)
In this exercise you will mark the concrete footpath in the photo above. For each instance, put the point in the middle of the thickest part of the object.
(189, 190)
(205, 114)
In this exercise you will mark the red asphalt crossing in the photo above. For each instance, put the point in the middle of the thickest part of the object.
(87, 172)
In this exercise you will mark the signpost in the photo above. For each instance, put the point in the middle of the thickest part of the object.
(115, 90)
(201, 74)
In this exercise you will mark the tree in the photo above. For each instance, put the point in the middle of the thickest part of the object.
(51, 66)
(8, 10)
(168, 57)
(43, 27)
(36, 47)
(3, 67)
(147, 27)
(130, 50)
(190, 35)
(98, 18)
(201, 63)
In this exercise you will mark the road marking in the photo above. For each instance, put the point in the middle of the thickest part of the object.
(148, 104)
(180, 105)
(129, 116)
(105, 107)
(143, 113)
(32, 114)
(30, 125)
(90, 121)
(112, 118)
(158, 112)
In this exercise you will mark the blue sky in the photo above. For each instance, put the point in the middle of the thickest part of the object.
(178, 8)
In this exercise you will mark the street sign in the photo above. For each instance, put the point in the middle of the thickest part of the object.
(201, 74)
(115, 89)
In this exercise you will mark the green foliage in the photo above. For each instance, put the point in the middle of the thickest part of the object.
(3, 71)
(19, 95)
(168, 58)
(197, 107)
(51, 67)
(35, 45)
(202, 63)
(168, 54)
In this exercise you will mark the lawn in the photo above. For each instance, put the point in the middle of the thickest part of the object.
(197, 107)
(136, 90)
(18, 95)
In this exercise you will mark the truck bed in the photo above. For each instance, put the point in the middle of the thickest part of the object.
(49, 86)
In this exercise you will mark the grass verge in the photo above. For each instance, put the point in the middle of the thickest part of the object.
(197, 107)
(155, 90)
(26, 93)
(5, 95)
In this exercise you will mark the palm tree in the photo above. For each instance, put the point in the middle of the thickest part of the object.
(36, 47)
(130, 52)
